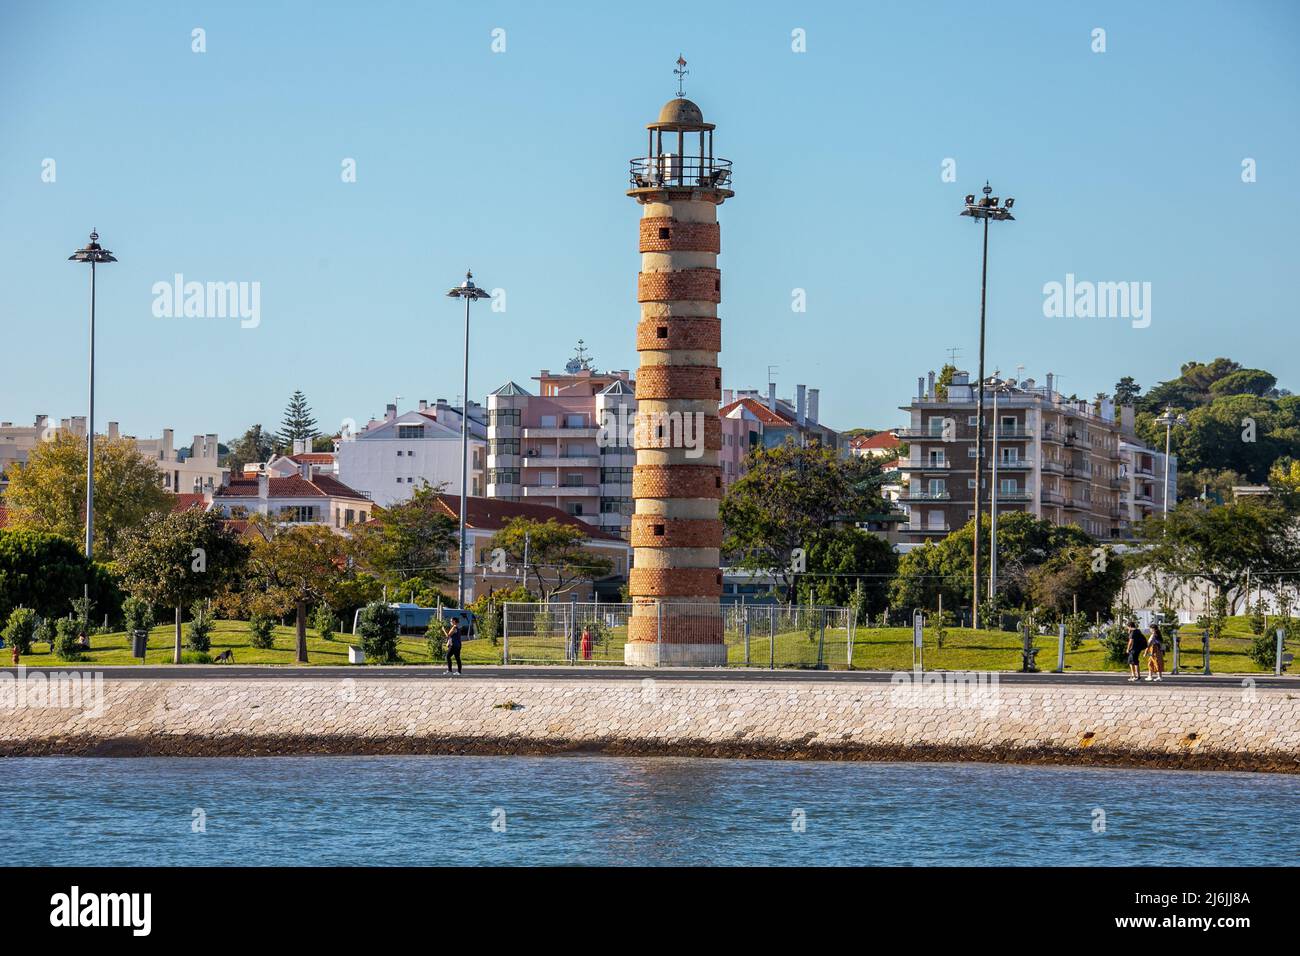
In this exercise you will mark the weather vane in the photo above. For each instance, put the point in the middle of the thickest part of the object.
(681, 73)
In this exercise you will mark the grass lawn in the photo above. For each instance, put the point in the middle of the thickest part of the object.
(874, 649)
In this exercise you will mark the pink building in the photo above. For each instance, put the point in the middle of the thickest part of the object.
(550, 448)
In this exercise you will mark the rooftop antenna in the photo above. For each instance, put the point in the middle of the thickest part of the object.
(953, 354)
(770, 370)
(681, 73)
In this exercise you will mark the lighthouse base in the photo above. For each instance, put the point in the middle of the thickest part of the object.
(654, 654)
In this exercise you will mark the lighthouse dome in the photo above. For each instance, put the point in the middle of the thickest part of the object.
(680, 114)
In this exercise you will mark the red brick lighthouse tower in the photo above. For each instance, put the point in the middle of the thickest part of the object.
(676, 579)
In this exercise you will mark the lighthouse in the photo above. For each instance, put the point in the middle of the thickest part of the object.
(676, 578)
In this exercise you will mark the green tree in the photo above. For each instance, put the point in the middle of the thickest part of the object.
(298, 423)
(1220, 545)
(200, 628)
(410, 542)
(842, 559)
(49, 492)
(46, 571)
(377, 629)
(20, 629)
(298, 565)
(1127, 391)
(1245, 381)
(788, 497)
(177, 558)
(558, 556)
(252, 447)
(1077, 573)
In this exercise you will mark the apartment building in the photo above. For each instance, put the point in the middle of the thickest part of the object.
(548, 448)
(392, 456)
(750, 420)
(1067, 462)
(180, 470)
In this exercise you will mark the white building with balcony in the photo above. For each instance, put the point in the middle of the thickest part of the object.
(390, 458)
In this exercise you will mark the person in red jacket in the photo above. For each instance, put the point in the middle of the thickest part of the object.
(586, 644)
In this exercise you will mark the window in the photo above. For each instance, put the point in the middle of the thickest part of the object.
(972, 420)
(936, 487)
(575, 509)
(573, 481)
(658, 530)
(549, 421)
(503, 446)
(661, 332)
(1007, 486)
(503, 476)
(503, 416)
(663, 232)
(620, 506)
(410, 431)
(575, 421)
(616, 476)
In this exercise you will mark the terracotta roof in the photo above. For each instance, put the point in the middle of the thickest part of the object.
(184, 502)
(291, 486)
(758, 409)
(881, 441)
(493, 514)
(313, 457)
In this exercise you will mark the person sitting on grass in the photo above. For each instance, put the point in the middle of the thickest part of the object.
(1137, 642)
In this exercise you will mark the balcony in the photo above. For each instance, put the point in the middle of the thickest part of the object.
(1052, 497)
(584, 431)
(1077, 504)
(1013, 464)
(923, 529)
(1143, 471)
(1077, 440)
(670, 171)
(912, 465)
(1053, 436)
(1014, 496)
(925, 496)
(1015, 434)
(1053, 467)
(561, 461)
(563, 491)
(930, 433)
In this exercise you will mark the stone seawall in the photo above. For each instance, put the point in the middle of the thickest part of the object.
(1159, 726)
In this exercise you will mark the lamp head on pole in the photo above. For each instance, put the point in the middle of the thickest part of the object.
(92, 252)
(1170, 418)
(468, 290)
(988, 208)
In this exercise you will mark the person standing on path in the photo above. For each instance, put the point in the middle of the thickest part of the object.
(453, 634)
(1156, 654)
(1137, 642)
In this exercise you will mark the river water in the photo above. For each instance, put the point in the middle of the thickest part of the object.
(648, 811)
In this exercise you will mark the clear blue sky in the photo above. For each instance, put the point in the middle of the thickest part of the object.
(225, 166)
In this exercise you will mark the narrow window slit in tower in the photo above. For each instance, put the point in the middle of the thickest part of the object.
(663, 233)
(662, 332)
(659, 530)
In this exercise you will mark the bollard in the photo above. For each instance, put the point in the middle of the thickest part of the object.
(1281, 637)
(746, 627)
(1176, 645)
(1060, 648)
(1205, 650)
(771, 642)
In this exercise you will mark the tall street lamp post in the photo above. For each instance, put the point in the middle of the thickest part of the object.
(1169, 419)
(986, 209)
(468, 291)
(93, 253)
